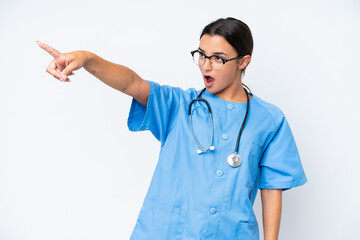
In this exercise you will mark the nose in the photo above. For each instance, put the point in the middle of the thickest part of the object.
(207, 64)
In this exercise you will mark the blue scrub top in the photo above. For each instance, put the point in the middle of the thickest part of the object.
(200, 196)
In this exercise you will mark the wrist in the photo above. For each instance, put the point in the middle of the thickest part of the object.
(88, 57)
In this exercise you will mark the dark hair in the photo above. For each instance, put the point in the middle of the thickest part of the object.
(236, 32)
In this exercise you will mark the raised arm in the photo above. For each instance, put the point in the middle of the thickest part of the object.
(119, 77)
(116, 76)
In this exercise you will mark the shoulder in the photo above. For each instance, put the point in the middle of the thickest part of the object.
(268, 110)
(271, 119)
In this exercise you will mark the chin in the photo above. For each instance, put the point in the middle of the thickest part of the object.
(211, 90)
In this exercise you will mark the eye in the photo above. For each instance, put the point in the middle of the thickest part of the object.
(202, 55)
(218, 59)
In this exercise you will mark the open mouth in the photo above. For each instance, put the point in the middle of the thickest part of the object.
(208, 80)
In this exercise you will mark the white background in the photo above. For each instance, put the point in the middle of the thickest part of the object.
(71, 169)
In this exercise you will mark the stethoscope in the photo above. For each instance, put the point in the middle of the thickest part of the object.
(233, 159)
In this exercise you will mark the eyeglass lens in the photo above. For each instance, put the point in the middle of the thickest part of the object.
(216, 62)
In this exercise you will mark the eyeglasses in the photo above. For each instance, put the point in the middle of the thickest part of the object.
(216, 62)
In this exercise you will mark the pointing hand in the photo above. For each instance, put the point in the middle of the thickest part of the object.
(63, 64)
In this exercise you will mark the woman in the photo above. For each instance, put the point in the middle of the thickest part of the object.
(219, 145)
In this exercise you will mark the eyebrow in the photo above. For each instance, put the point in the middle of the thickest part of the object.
(214, 52)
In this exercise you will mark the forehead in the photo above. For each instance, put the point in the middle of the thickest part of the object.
(215, 43)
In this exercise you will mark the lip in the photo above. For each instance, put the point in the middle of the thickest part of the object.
(208, 84)
(207, 75)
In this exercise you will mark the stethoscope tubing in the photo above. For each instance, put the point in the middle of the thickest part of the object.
(212, 125)
(244, 121)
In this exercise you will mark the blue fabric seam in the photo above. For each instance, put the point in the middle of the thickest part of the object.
(135, 107)
(272, 138)
(284, 185)
(148, 105)
(272, 116)
(174, 122)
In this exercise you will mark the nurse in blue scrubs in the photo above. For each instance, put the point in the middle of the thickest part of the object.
(215, 152)
(201, 195)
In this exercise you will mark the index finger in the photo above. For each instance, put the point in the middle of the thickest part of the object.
(49, 49)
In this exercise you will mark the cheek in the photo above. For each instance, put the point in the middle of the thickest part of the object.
(227, 76)
(230, 73)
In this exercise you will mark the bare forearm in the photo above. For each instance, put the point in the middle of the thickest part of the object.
(114, 75)
(271, 208)
(119, 77)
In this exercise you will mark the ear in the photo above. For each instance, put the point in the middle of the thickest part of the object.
(244, 61)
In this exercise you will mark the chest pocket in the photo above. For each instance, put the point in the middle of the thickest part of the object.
(248, 171)
(245, 230)
(159, 221)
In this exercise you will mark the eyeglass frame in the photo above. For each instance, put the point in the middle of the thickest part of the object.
(224, 61)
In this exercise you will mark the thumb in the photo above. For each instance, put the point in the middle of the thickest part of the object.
(68, 70)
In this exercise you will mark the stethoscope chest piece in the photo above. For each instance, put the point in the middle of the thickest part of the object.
(234, 160)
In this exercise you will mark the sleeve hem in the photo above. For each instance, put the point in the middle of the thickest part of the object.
(284, 185)
(139, 113)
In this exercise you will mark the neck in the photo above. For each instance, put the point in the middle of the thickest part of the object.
(234, 93)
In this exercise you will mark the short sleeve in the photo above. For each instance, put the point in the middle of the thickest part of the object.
(280, 166)
(160, 112)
